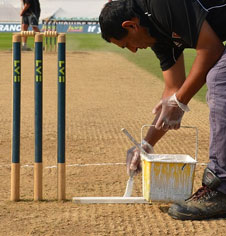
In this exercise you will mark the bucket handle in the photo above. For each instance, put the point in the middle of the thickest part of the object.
(183, 126)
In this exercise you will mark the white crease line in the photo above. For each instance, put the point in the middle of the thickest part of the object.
(84, 165)
(202, 164)
(81, 165)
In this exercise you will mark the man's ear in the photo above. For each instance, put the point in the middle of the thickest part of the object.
(130, 24)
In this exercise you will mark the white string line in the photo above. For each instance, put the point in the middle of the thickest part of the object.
(202, 164)
(82, 165)
(69, 165)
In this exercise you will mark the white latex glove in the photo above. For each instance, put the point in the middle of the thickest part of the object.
(133, 162)
(171, 113)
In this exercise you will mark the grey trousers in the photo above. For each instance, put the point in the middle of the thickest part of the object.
(216, 99)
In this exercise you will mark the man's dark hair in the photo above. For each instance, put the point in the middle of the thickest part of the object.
(112, 16)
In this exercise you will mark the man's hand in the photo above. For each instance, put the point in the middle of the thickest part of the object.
(133, 163)
(171, 113)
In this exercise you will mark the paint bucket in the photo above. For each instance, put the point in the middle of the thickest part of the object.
(168, 177)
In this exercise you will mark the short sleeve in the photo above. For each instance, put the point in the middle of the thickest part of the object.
(183, 17)
(167, 54)
(27, 1)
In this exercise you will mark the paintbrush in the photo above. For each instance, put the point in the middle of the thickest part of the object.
(129, 186)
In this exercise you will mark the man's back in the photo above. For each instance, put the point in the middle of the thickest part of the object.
(34, 7)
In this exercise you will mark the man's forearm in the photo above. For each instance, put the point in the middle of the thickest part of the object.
(209, 50)
(197, 76)
(153, 135)
(191, 86)
(26, 7)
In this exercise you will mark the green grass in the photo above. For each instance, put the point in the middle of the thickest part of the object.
(6, 41)
(86, 42)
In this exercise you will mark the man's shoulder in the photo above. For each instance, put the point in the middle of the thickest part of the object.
(33, 1)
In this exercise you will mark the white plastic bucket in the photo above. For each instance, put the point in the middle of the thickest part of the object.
(168, 177)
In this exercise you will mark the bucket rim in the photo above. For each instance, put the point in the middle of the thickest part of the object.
(164, 158)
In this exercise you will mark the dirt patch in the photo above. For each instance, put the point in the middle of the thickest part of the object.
(105, 93)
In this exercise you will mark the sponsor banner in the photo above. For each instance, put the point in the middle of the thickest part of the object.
(83, 29)
(63, 28)
(10, 27)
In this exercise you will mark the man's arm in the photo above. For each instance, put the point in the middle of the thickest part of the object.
(25, 8)
(174, 78)
(209, 49)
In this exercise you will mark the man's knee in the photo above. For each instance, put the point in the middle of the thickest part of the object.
(36, 29)
(24, 27)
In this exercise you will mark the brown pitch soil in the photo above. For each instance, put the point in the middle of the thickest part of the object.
(105, 93)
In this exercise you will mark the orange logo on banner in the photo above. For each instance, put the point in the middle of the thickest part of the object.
(75, 29)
